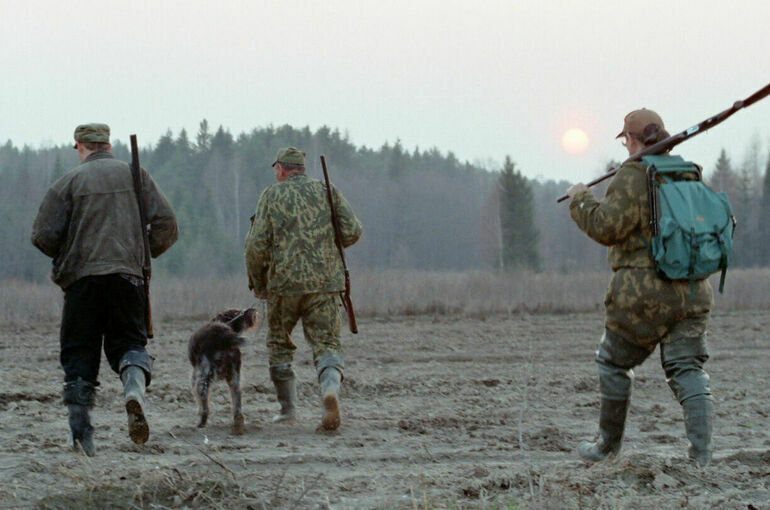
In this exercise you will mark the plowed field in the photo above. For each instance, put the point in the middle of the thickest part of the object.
(437, 413)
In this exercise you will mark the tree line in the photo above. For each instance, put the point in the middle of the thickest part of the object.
(421, 209)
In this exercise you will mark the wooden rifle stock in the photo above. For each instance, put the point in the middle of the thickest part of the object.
(347, 303)
(674, 140)
(136, 173)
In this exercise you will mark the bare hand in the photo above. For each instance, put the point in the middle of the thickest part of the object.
(261, 294)
(577, 188)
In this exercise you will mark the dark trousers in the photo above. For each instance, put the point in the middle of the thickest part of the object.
(109, 309)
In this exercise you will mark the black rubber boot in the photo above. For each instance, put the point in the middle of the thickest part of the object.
(79, 397)
(135, 367)
(330, 380)
(81, 431)
(285, 391)
(683, 361)
(698, 419)
(612, 420)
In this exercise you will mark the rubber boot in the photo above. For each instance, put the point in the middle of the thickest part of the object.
(286, 393)
(81, 431)
(79, 397)
(134, 373)
(683, 361)
(612, 420)
(698, 419)
(615, 359)
(330, 380)
(133, 389)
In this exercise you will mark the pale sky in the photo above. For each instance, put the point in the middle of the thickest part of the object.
(483, 79)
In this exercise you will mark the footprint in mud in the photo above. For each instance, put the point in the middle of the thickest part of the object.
(550, 439)
(421, 425)
(663, 438)
(154, 449)
(752, 458)
(586, 385)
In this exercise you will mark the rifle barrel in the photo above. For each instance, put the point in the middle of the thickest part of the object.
(347, 303)
(136, 173)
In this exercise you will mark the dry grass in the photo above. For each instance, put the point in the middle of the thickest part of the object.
(386, 293)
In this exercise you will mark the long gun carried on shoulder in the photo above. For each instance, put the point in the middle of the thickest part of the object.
(136, 173)
(674, 140)
(347, 304)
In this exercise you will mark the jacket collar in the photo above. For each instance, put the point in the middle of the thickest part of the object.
(98, 155)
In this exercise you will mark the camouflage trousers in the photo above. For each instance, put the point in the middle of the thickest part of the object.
(320, 315)
(646, 310)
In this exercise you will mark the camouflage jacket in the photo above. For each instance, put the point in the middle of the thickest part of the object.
(621, 219)
(89, 221)
(290, 246)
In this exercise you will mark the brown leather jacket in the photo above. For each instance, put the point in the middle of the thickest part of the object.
(89, 221)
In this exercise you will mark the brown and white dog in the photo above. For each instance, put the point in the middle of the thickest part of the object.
(215, 350)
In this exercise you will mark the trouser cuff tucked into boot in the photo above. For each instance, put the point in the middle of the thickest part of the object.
(284, 379)
(135, 370)
(79, 396)
(139, 359)
(328, 360)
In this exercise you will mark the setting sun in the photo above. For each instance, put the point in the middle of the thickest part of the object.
(574, 141)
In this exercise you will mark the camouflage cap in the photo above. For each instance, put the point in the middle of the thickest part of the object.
(637, 120)
(290, 156)
(93, 133)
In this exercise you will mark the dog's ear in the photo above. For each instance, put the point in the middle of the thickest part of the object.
(244, 320)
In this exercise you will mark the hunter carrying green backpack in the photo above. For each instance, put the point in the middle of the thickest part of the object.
(692, 225)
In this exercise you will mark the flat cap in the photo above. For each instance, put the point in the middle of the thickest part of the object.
(637, 120)
(92, 133)
(290, 156)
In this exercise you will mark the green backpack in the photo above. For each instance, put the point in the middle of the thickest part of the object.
(692, 225)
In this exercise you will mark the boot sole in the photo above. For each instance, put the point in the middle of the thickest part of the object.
(138, 429)
(331, 419)
(589, 453)
(285, 420)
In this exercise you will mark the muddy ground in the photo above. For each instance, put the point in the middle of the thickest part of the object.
(437, 413)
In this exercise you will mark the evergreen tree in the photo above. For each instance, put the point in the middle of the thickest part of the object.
(723, 178)
(203, 139)
(163, 151)
(58, 168)
(517, 223)
(397, 160)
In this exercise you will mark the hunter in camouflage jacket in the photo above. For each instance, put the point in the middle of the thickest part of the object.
(640, 306)
(290, 247)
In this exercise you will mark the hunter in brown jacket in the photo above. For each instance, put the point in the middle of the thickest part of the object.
(89, 225)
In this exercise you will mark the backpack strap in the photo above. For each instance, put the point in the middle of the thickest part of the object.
(693, 253)
(722, 262)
